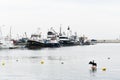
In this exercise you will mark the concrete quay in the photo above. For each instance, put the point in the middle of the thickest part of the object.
(108, 41)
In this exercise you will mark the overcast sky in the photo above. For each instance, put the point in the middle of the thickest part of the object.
(93, 18)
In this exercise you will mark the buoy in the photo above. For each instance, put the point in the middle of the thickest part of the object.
(104, 69)
(3, 63)
(62, 62)
(108, 57)
(94, 68)
(42, 62)
(17, 60)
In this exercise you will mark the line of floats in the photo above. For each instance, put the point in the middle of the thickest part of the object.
(53, 39)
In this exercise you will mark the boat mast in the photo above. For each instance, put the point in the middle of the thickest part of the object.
(54, 31)
(1, 35)
(25, 35)
(68, 31)
(0, 32)
(10, 32)
(60, 34)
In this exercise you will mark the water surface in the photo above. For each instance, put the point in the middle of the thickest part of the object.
(65, 63)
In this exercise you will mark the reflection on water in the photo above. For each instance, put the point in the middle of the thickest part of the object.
(93, 72)
(66, 63)
(33, 57)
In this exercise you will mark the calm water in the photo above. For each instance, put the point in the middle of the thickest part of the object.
(65, 63)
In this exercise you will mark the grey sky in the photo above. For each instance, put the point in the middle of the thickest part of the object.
(94, 18)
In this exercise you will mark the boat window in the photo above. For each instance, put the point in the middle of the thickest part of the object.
(63, 37)
(35, 35)
(50, 33)
(1, 43)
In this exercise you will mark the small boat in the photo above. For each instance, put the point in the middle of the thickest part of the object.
(84, 41)
(6, 44)
(93, 68)
(22, 41)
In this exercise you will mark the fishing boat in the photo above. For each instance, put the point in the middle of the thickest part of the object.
(69, 39)
(21, 41)
(35, 42)
(52, 39)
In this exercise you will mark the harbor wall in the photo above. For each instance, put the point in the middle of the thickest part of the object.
(108, 41)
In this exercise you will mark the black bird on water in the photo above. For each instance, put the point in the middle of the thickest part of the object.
(94, 65)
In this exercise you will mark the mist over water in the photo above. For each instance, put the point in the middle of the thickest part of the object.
(65, 63)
